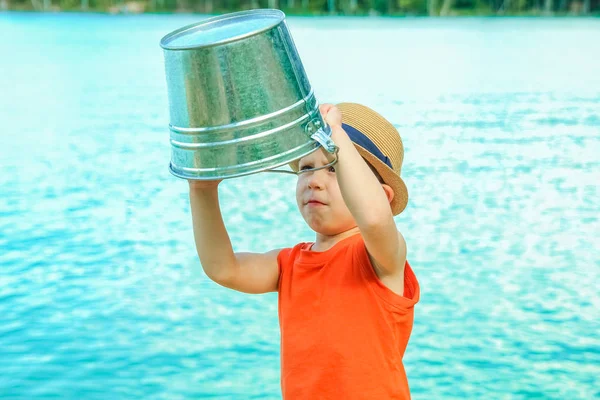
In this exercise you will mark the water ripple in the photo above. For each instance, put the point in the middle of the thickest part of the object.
(101, 292)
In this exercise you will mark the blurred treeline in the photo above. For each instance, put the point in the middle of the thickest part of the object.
(321, 7)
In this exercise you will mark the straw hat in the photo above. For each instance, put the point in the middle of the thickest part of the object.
(379, 143)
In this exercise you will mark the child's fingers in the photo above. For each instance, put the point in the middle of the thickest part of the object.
(195, 184)
(324, 109)
(334, 117)
(331, 114)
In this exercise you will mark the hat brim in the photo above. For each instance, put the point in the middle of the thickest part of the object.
(390, 178)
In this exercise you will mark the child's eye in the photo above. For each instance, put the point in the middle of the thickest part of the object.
(305, 167)
(331, 169)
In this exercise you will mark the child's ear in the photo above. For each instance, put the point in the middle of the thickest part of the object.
(389, 192)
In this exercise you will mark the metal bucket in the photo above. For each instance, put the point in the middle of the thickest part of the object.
(240, 101)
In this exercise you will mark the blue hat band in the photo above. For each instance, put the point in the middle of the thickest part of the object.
(363, 141)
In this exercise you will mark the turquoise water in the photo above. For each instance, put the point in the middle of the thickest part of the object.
(101, 295)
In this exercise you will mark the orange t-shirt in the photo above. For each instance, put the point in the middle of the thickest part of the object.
(343, 332)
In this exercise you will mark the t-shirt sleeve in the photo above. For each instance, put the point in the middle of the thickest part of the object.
(411, 285)
(283, 259)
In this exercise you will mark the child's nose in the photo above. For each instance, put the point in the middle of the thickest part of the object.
(316, 179)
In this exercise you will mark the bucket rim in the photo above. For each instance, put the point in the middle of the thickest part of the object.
(280, 17)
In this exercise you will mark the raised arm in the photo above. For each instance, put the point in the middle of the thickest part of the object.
(369, 202)
(244, 272)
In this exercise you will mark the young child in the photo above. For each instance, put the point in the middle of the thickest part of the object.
(346, 300)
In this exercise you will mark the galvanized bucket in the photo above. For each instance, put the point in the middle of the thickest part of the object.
(240, 101)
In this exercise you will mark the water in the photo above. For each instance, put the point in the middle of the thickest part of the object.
(101, 295)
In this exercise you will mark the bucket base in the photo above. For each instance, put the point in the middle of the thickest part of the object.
(209, 174)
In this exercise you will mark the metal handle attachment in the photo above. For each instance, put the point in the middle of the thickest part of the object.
(323, 137)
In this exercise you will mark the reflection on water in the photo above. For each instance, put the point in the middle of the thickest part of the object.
(101, 295)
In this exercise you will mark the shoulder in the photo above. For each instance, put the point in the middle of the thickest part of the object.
(398, 286)
(287, 255)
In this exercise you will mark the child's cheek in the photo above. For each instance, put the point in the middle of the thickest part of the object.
(299, 185)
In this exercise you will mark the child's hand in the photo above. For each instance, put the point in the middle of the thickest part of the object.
(331, 115)
(195, 184)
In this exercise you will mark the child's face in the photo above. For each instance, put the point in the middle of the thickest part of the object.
(319, 198)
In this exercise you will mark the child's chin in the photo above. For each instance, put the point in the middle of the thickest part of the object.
(326, 230)
(316, 226)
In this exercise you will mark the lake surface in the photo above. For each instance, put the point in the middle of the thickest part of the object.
(101, 293)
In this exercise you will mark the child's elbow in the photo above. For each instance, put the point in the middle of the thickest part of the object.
(224, 275)
(377, 217)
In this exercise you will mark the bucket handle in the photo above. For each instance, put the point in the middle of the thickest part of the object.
(323, 136)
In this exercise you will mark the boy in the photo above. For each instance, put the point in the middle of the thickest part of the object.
(345, 301)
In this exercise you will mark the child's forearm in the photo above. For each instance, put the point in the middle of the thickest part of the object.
(360, 189)
(212, 241)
